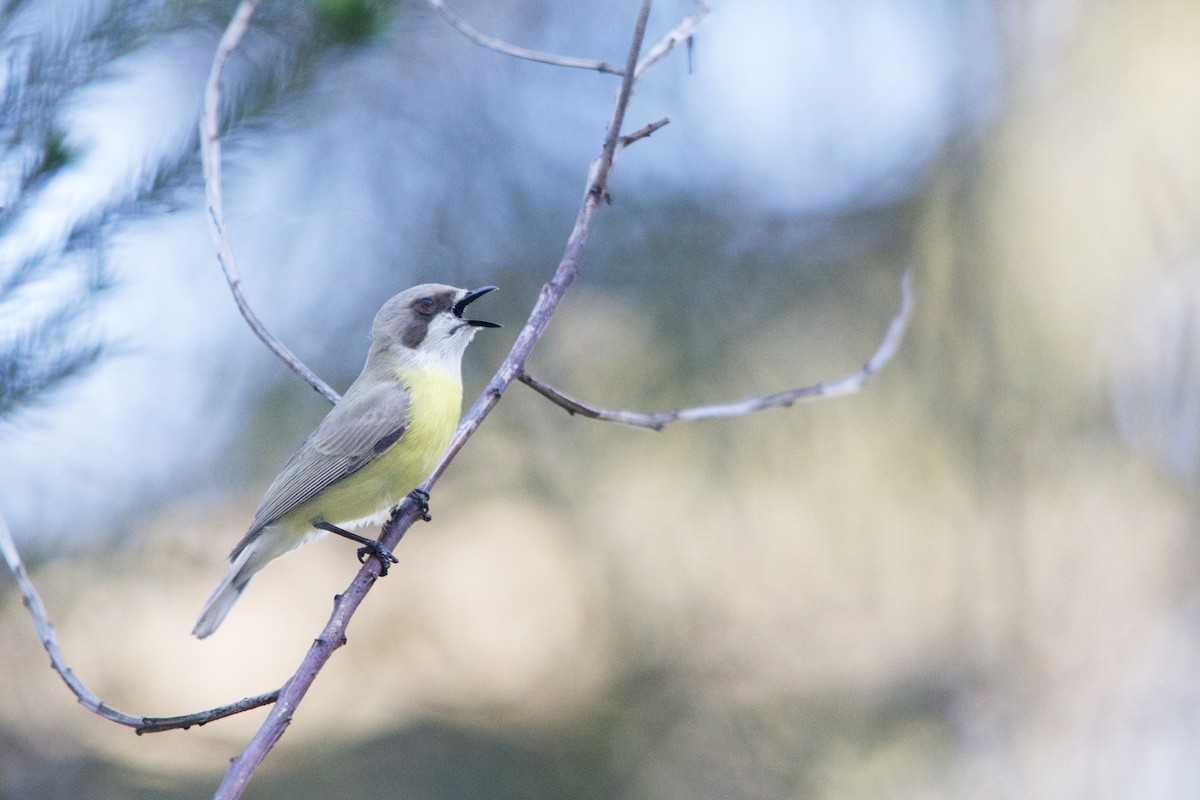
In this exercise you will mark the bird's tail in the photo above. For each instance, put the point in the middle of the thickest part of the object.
(250, 559)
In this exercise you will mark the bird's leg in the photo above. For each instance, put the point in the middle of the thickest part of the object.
(422, 499)
(370, 547)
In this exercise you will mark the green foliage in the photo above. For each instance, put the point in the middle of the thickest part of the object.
(350, 22)
(57, 153)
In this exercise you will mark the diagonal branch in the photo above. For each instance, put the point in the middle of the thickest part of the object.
(210, 155)
(847, 384)
(492, 43)
(333, 635)
(87, 698)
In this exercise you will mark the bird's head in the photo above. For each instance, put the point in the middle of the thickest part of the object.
(427, 321)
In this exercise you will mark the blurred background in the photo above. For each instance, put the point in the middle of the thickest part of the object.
(975, 579)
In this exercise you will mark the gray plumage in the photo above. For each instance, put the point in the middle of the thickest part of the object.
(373, 411)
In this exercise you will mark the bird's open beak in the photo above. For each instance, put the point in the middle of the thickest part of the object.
(469, 298)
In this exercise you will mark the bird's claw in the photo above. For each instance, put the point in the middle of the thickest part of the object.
(381, 553)
(422, 499)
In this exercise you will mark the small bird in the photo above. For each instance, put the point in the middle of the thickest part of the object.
(376, 446)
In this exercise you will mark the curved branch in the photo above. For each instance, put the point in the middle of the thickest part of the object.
(210, 156)
(847, 384)
(198, 718)
(492, 43)
(87, 698)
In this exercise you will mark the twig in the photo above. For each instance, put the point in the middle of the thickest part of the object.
(657, 421)
(643, 132)
(680, 34)
(334, 634)
(185, 721)
(492, 43)
(87, 698)
(210, 156)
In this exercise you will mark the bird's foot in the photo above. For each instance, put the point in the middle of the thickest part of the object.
(381, 553)
(422, 499)
(370, 547)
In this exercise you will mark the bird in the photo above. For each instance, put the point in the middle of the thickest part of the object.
(375, 447)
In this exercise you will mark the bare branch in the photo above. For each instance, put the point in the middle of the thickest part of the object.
(680, 34)
(492, 43)
(185, 721)
(210, 155)
(334, 634)
(657, 421)
(87, 698)
(643, 132)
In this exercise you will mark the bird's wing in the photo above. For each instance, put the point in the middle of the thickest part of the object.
(361, 427)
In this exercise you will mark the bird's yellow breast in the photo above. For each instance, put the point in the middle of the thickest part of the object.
(435, 404)
(436, 401)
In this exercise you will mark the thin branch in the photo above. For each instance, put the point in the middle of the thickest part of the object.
(185, 721)
(334, 634)
(679, 35)
(210, 155)
(492, 43)
(87, 698)
(657, 421)
(643, 132)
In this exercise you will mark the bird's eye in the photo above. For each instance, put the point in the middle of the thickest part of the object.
(426, 306)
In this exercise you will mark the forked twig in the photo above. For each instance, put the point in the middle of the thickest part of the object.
(847, 384)
(675, 37)
(87, 698)
(210, 156)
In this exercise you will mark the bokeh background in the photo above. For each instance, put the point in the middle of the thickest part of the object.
(975, 579)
